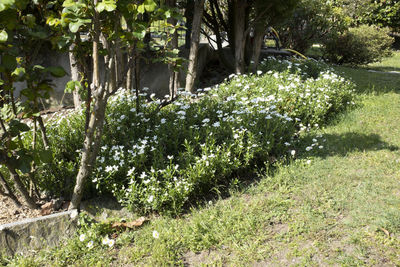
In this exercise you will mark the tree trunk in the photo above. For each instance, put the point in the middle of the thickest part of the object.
(173, 81)
(194, 47)
(73, 62)
(240, 38)
(42, 128)
(90, 149)
(29, 202)
(95, 127)
(8, 192)
(189, 13)
(257, 45)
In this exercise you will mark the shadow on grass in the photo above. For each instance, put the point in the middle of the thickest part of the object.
(343, 144)
(383, 69)
(371, 82)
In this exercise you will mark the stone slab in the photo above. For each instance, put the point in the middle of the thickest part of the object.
(33, 234)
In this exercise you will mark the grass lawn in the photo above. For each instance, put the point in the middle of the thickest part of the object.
(337, 204)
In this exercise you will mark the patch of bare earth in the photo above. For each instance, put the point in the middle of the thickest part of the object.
(10, 213)
(208, 258)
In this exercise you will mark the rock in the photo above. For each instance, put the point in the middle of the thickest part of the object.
(57, 203)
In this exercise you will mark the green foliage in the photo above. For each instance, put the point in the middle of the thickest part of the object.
(23, 34)
(358, 46)
(160, 161)
(308, 68)
(312, 21)
(383, 14)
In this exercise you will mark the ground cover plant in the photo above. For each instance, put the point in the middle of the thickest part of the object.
(160, 160)
(332, 206)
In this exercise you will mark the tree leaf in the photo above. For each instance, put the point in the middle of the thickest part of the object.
(38, 67)
(18, 72)
(57, 71)
(3, 36)
(100, 7)
(74, 26)
(150, 5)
(141, 9)
(17, 127)
(24, 162)
(5, 4)
(72, 86)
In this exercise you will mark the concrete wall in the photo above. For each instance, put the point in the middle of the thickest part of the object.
(155, 76)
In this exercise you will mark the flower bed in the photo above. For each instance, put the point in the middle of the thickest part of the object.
(159, 161)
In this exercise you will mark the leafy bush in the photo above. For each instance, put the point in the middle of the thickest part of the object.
(312, 22)
(306, 68)
(160, 160)
(358, 46)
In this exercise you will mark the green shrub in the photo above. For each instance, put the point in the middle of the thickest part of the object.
(358, 46)
(306, 68)
(312, 22)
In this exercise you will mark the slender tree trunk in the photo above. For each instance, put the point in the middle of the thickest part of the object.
(90, 149)
(240, 38)
(8, 192)
(172, 45)
(195, 40)
(95, 127)
(29, 202)
(257, 45)
(73, 62)
(129, 79)
(42, 127)
(137, 83)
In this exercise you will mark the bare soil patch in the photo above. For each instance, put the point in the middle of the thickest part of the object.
(10, 213)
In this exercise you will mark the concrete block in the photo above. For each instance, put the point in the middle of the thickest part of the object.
(33, 234)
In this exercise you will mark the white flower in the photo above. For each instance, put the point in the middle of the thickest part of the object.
(105, 240)
(82, 237)
(308, 162)
(216, 124)
(206, 120)
(131, 171)
(293, 152)
(321, 147)
(156, 235)
(90, 244)
(308, 148)
(170, 157)
(259, 72)
(108, 242)
(150, 199)
(163, 121)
